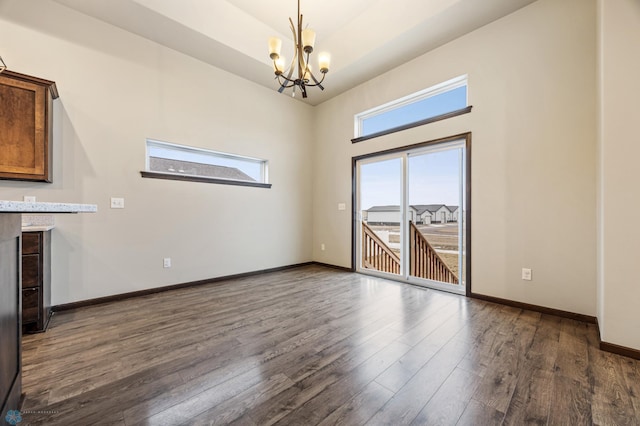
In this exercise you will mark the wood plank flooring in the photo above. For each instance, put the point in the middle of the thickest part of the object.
(314, 345)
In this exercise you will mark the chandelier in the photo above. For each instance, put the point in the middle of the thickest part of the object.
(298, 73)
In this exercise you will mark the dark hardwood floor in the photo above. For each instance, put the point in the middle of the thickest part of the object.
(314, 345)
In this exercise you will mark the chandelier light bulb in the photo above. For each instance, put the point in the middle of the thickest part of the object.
(275, 45)
(308, 40)
(324, 59)
(278, 65)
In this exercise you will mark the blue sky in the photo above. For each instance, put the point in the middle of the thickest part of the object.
(434, 178)
(430, 107)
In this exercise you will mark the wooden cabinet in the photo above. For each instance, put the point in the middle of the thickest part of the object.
(36, 281)
(26, 129)
(10, 335)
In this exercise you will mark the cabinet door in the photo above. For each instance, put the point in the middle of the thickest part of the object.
(30, 270)
(31, 242)
(30, 305)
(25, 126)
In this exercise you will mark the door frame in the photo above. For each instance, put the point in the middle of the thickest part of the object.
(467, 198)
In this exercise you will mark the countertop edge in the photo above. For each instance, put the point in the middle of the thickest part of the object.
(23, 207)
(37, 228)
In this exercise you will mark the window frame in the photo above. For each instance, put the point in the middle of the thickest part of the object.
(440, 88)
(148, 173)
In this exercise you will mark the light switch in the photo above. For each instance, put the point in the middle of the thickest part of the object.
(117, 203)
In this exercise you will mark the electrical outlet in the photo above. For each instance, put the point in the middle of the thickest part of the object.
(29, 199)
(117, 203)
(526, 274)
(166, 262)
(342, 206)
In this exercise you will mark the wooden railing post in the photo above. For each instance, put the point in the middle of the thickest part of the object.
(425, 261)
(376, 254)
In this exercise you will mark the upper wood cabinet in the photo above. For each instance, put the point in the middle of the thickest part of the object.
(26, 131)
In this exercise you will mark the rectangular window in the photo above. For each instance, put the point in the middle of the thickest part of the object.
(181, 162)
(438, 100)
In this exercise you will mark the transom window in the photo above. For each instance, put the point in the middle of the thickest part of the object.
(438, 100)
(182, 162)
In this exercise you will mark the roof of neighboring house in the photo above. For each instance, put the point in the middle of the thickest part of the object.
(419, 208)
(431, 208)
(384, 209)
(157, 164)
(452, 208)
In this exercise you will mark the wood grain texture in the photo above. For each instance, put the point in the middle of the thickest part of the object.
(26, 127)
(10, 313)
(36, 281)
(314, 345)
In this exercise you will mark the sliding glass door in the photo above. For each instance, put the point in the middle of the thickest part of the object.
(411, 215)
(381, 186)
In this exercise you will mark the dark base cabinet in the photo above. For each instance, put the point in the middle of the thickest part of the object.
(10, 335)
(36, 281)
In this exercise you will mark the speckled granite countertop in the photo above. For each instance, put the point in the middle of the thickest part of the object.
(22, 207)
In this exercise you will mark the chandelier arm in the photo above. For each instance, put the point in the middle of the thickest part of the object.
(290, 70)
(300, 54)
(293, 30)
(285, 77)
(317, 83)
(286, 80)
(285, 83)
(289, 73)
(296, 58)
(306, 65)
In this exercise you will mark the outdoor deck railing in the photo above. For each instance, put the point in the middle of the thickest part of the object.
(424, 261)
(376, 254)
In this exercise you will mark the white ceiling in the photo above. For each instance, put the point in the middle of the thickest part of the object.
(364, 37)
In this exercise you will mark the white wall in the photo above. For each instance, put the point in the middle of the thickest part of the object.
(116, 89)
(532, 86)
(619, 150)
(385, 217)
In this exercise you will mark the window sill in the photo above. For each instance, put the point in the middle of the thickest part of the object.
(415, 124)
(202, 179)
